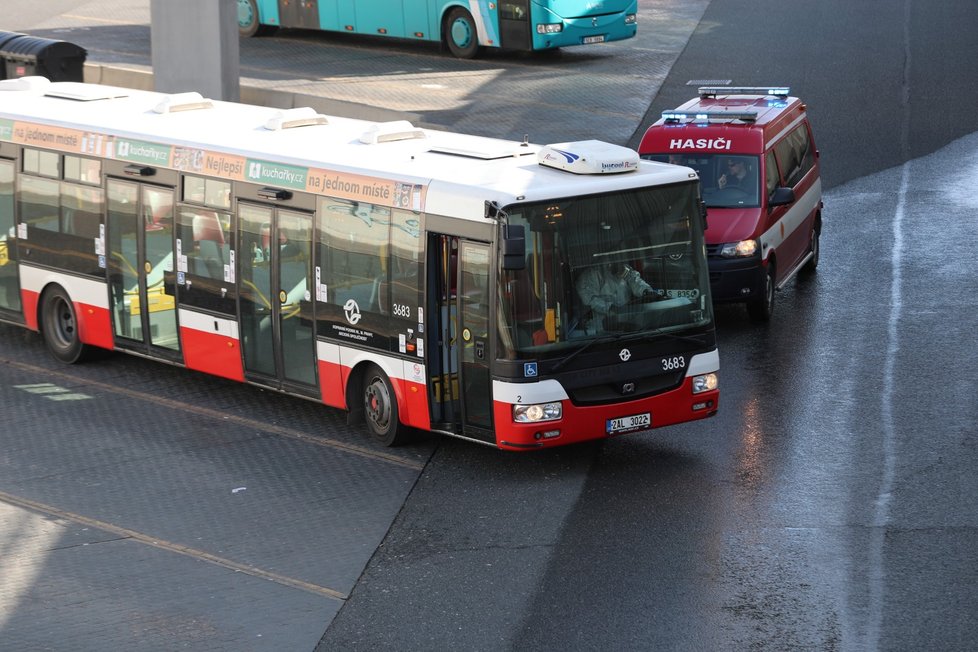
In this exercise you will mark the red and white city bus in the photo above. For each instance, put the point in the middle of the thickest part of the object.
(755, 153)
(417, 278)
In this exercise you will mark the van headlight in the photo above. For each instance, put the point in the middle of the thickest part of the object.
(705, 382)
(740, 249)
(537, 412)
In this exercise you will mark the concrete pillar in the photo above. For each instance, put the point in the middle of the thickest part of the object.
(195, 47)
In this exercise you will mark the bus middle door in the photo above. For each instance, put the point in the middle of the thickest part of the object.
(275, 301)
(142, 283)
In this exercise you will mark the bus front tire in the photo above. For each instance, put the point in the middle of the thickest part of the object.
(380, 409)
(461, 35)
(59, 325)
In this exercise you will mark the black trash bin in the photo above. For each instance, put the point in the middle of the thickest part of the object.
(4, 38)
(22, 55)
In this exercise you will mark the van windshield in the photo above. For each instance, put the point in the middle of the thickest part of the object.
(727, 180)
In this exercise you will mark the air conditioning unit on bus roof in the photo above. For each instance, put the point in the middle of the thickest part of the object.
(589, 157)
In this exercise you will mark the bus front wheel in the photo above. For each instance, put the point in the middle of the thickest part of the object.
(59, 325)
(380, 408)
(461, 35)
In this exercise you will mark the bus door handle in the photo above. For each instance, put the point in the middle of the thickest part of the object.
(480, 349)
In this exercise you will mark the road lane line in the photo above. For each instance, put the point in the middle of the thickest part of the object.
(170, 546)
(225, 417)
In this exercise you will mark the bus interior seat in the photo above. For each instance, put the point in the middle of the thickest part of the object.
(209, 238)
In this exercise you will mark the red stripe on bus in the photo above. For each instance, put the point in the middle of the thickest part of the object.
(94, 325)
(212, 353)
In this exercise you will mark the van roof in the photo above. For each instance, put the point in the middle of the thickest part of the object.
(741, 119)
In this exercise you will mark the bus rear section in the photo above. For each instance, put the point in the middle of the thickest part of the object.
(464, 27)
(755, 154)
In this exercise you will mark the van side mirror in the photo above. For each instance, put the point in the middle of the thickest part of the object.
(781, 197)
(514, 247)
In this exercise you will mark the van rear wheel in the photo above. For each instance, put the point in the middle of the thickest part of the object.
(812, 263)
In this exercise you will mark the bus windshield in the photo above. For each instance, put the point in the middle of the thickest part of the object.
(610, 265)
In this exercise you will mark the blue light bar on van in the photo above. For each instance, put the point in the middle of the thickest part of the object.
(706, 116)
(713, 91)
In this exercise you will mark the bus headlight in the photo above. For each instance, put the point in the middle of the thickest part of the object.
(705, 383)
(550, 28)
(537, 412)
(630, 19)
(740, 249)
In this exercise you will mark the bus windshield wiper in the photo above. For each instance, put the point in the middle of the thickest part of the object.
(696, 339)
(598, 340)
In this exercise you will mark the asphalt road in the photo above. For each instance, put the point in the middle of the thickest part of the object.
(829, 505)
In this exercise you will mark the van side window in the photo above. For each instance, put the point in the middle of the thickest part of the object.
(796, 155)
(771, 178)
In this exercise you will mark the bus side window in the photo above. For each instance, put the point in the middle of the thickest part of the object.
(354, 236)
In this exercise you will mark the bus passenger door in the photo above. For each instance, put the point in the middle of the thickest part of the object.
(275, 298)
(9, 280)
(458, 292)
(140, 264)
(514, 25)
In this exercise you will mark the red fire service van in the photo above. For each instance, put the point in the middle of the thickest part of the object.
(758, 167)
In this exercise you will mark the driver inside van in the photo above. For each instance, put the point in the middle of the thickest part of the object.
(737, 175)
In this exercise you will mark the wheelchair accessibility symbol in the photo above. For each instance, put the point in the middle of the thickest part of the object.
(530, 369)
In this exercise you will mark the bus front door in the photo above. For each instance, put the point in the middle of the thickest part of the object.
(140, 266)
(461, 397)
(514, 25)
(275, 301)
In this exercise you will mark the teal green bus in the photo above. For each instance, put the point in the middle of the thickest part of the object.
(464, 27)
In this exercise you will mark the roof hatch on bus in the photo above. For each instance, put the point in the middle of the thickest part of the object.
(388, 132)
(25, 84)
(483, 148)
(302, 116)
(84, 92)
(183, 102)
(588, 157)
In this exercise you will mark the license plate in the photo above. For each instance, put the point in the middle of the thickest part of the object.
(683, 294)
(594, 39)
(627, 424)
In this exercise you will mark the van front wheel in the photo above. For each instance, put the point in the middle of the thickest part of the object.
(762, 308)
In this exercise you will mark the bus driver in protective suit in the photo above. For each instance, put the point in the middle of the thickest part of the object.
(605, 288)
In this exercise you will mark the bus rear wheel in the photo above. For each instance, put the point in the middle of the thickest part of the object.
(380, 408)
(248, 23)
(461, 35)
(59, 326)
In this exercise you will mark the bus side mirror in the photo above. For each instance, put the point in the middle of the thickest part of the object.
(514, 247)
(702, 205)
(781, 197)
